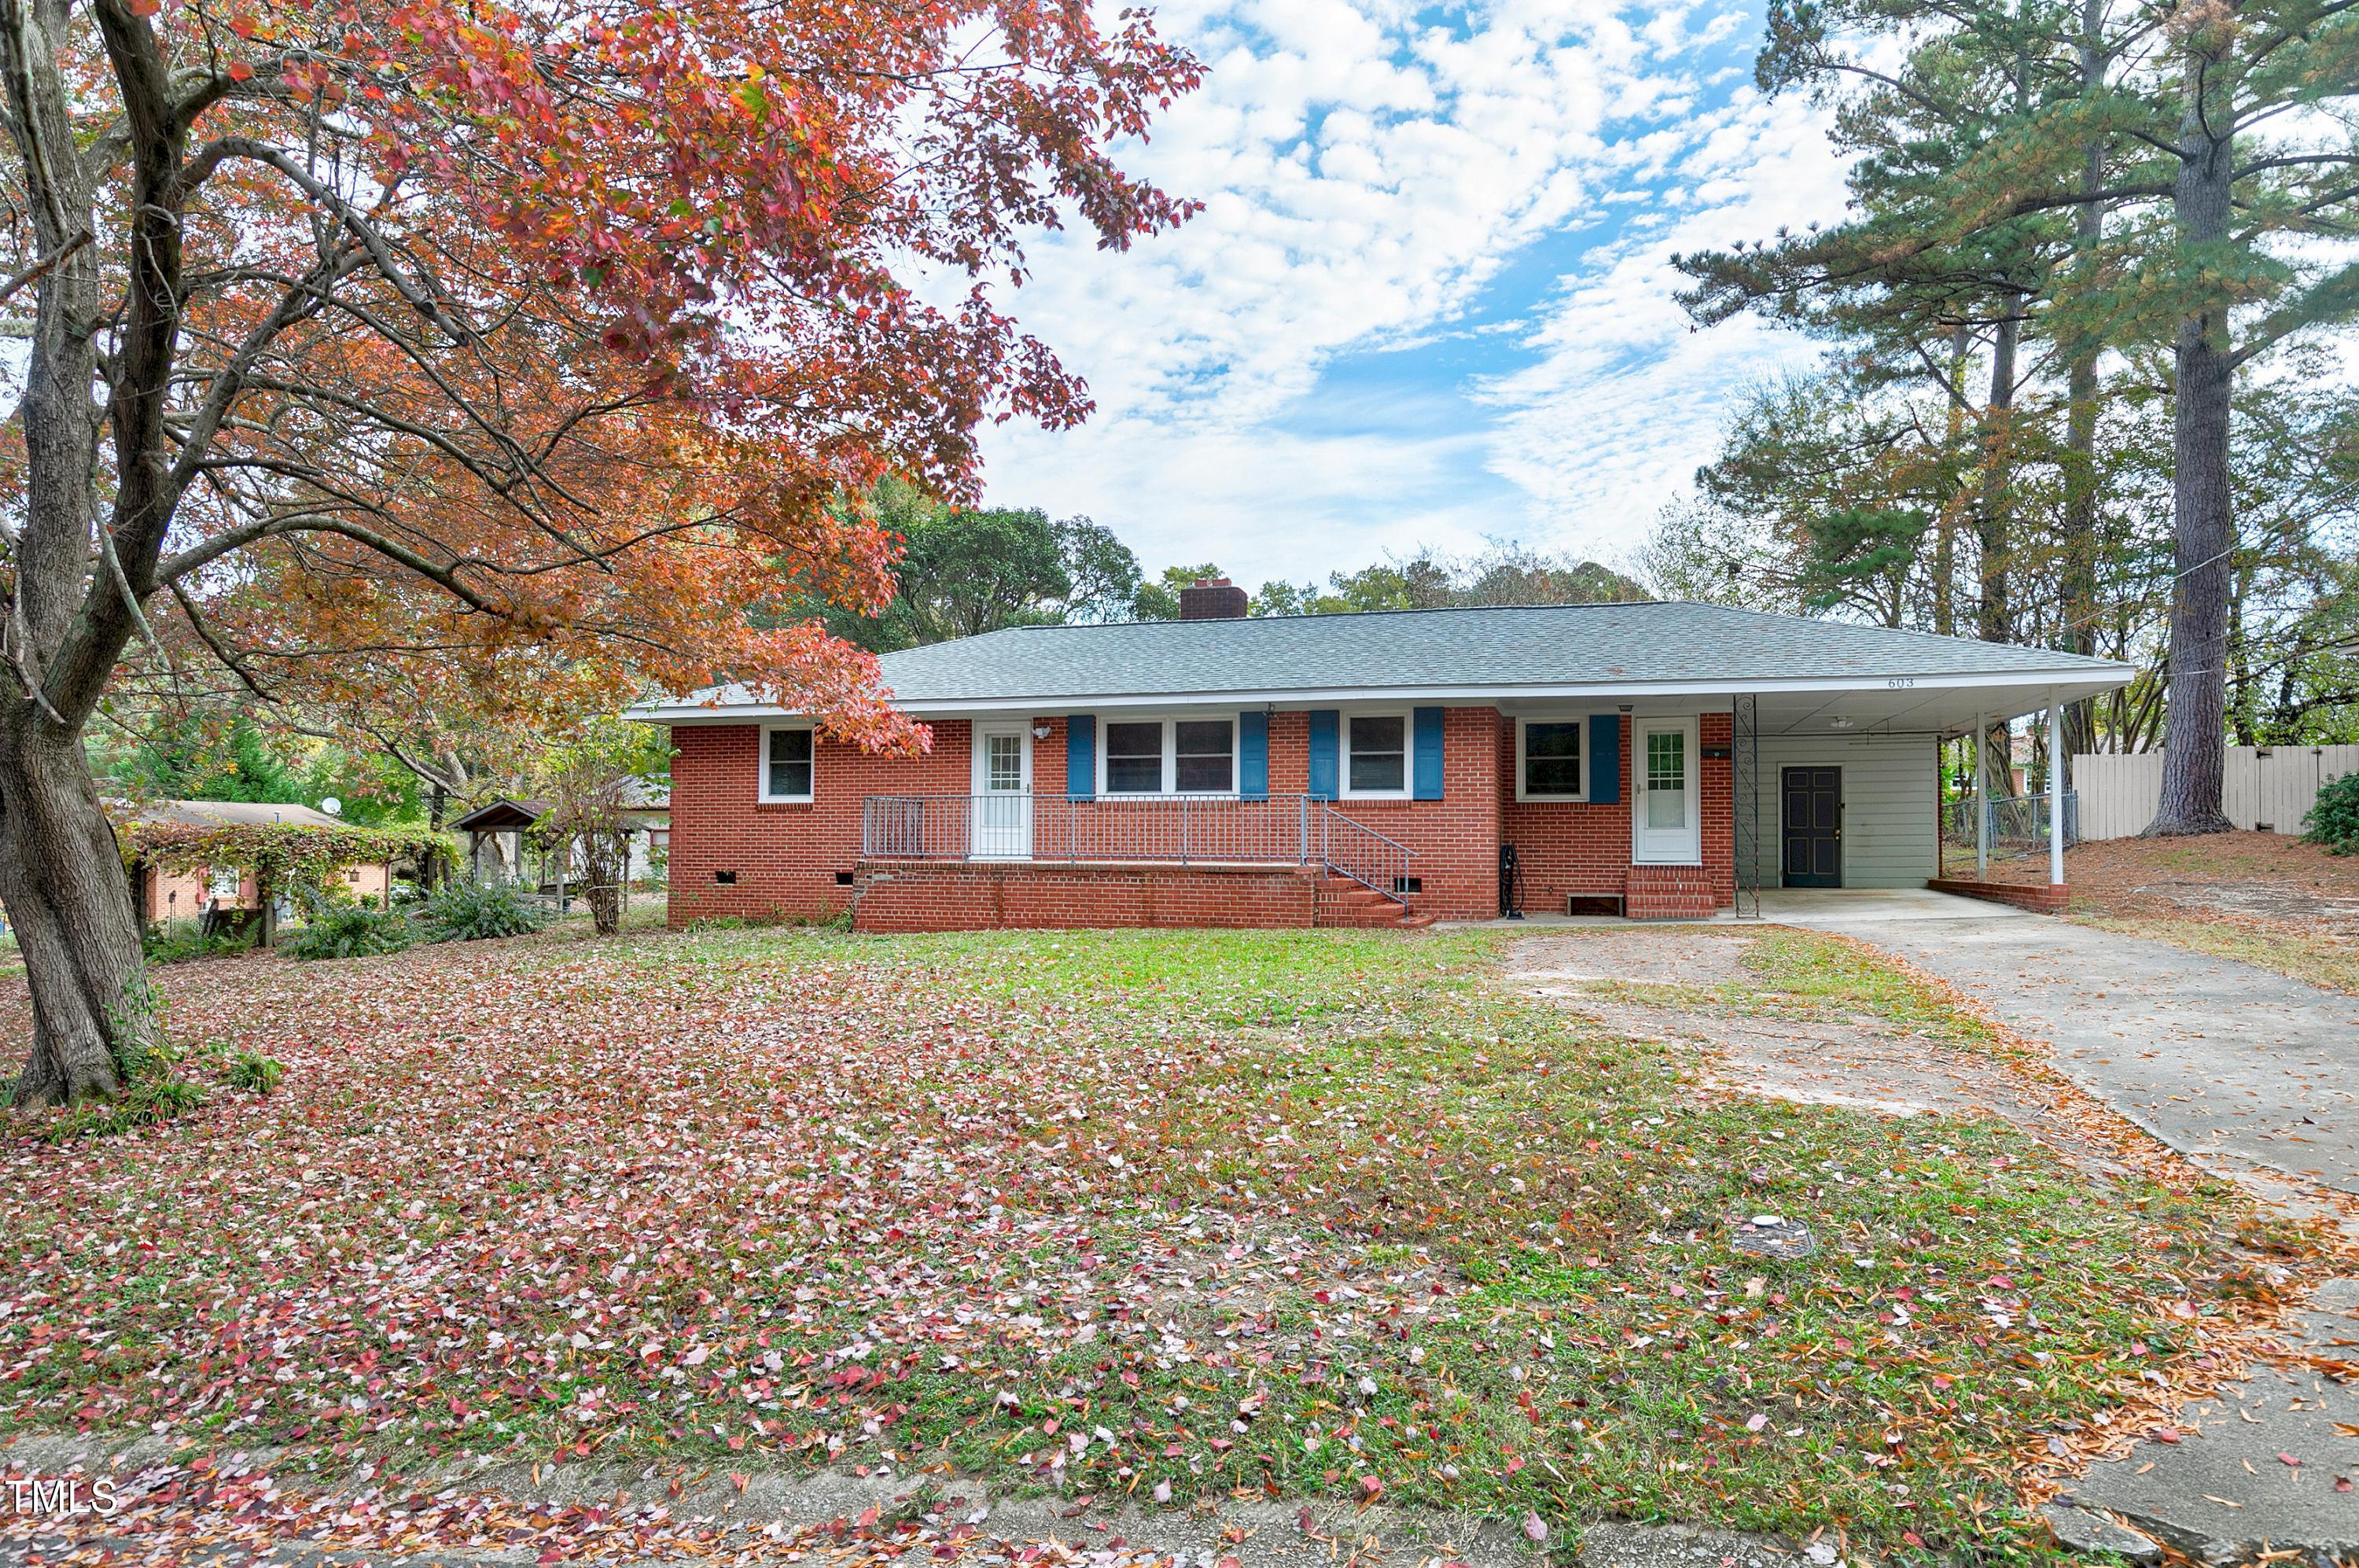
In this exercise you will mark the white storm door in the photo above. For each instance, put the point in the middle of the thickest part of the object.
(1003, 792)
(1665, 829)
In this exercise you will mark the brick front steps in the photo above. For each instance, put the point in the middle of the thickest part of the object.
(2041, 897)
(1670, 893)
(1344, 902)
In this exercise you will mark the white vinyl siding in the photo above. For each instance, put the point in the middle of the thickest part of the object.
(1888, 810)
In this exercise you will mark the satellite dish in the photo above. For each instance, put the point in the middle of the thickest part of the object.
(332, 806)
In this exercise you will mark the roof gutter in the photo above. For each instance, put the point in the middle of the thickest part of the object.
(2084, 679)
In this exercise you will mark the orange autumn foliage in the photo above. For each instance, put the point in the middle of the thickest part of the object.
(523, 355)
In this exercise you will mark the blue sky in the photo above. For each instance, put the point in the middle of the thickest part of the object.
(1430, 301)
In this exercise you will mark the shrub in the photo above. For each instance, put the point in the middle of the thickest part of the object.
(153, 1098)
(173, 942)
(2335, 819)
(354, 930)
(253, 1072)
(471, 911)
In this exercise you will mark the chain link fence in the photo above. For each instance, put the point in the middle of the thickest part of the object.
(2018, 823)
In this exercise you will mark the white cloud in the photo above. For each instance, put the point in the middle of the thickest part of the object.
(1626, 398)
(1372, 182)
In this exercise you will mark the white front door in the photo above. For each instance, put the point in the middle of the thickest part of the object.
(1003, 792)
(1665, 829)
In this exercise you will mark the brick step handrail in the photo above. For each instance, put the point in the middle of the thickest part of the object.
(1351, 848)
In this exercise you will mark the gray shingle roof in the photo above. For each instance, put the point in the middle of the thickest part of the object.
(1543, 646)
(1532, 648)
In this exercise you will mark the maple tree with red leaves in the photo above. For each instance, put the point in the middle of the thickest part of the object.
(448, 352)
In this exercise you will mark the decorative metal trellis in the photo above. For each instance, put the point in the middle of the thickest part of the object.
(1746, 804)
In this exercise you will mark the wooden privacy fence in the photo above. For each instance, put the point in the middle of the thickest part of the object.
(2266, 786)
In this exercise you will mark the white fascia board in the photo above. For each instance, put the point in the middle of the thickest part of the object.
(2070, 684)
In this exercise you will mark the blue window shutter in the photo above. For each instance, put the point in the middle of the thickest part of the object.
(1426, 782)
(1253, 755)
(1605, 758)
(1082, 756)
(1324, 771)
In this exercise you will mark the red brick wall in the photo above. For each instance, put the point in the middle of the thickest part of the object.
(1456, 838)
(2045, 898)
(985, 896)
(786, 855)
(1572, 846)
(1718, 795)
(1565, 846)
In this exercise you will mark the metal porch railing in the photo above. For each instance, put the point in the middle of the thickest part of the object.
(1172, 830)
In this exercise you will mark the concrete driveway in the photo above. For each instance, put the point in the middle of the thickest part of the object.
(2214, 1057)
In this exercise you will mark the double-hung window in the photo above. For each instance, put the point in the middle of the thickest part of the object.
(1550, 761)
(1376, 754)
(1205, 756)
(787, 763)
(1133, 758)
(1166, 757)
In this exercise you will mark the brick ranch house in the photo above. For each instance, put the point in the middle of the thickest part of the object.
(1357, 769)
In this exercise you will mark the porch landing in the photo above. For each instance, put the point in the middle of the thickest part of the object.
(1843, 908)
(1818, 909)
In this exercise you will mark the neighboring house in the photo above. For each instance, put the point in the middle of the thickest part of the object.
(171, 896)
(500, 846)
(1350, 769)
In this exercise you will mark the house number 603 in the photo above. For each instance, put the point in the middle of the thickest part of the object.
(1898, 681)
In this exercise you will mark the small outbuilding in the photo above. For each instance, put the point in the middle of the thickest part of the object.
(500, 846)
(230, 889)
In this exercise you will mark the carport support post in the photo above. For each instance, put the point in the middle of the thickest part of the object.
(1982, 795)
(2055, 791)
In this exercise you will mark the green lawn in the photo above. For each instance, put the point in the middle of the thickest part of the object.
(1159, 1215)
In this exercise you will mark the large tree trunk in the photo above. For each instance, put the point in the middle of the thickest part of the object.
(2194, 725)
(1995, 622)
(1945, 521)
(2078, 600)
(61, 873)
(94, 1018)
(77, 578)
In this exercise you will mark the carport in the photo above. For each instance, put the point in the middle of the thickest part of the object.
(1837, 785)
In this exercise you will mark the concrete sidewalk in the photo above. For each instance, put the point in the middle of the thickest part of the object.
(2214, 1057)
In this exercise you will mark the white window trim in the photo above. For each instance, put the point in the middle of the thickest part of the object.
(762, 768)
(1521, 725)
(1168, 784)
(1343, 756)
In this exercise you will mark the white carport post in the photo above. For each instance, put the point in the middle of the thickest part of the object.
(1982, 795)
(2056, 782)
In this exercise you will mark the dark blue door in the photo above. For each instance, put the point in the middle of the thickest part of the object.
(1813, 832)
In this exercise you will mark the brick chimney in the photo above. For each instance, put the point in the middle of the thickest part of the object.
(1213, 599)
